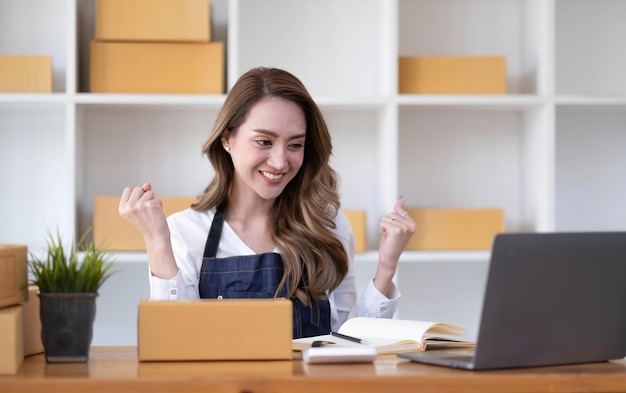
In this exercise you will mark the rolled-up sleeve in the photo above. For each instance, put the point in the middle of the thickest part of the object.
(172, 289)
(374, 304)
(188, 231)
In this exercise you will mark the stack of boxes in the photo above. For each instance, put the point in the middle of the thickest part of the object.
(20, 326)
(155, 46)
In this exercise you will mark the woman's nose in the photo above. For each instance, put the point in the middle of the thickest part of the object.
(278, 158)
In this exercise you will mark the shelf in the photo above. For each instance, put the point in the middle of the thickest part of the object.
(591, 101)
(590, 164)
(15, 99)
(549, 152)
(516, 29)
(588, 52)
(173, 100)
(506, 102)
(333, 50)
(437, 150)
(366, 257)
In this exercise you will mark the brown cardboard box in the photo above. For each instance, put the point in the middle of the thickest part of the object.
(25, 74)
(153, 20)
(176, 68)
(13, 274)
(11, 340)
(211, 329)
(203, 370)
(452, 75)
(455, 229)
(358, 223)
(117, 234)
(32, 323)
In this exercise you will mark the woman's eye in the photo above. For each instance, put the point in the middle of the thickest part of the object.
(296, 146)
(264, 142)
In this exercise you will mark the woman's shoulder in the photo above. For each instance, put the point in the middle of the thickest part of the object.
(192, 217)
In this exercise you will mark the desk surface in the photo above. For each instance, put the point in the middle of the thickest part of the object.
(116, 369)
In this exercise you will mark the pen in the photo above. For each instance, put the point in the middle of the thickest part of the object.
(349, 338)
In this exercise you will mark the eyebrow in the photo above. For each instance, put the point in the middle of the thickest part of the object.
(272, 133)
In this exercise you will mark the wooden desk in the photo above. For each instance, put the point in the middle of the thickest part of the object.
(116, 370)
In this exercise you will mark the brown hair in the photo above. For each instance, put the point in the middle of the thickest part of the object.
(305, 211)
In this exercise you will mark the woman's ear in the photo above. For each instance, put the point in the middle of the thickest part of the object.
(225, 139)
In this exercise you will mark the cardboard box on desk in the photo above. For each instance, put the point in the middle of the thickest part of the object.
(11, 339)
(211, 329)
(452, 75)
(357, 219)
(117, 234)
(25, 74)
(13, 274)
(153, 20)
(174, 68)
(32, 323)
(455, 229)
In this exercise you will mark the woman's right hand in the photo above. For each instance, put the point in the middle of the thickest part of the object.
(140, 207)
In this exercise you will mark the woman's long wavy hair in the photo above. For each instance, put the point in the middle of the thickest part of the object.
(305, 211)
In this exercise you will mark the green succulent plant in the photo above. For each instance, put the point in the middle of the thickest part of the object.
(82, 268)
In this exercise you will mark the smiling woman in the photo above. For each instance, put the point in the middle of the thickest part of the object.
(268, 224)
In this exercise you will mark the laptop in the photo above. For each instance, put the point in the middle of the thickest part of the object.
(551, 298)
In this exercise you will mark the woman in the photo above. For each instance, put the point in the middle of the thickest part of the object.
(269, 222)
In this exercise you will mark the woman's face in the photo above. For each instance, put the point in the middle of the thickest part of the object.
(267, 149)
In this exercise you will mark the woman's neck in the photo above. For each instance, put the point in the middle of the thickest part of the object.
(242, 207)
(249, 219)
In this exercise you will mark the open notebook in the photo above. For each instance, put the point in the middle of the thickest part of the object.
(392, 335)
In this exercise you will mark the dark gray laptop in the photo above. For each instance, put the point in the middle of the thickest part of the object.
(551, 298)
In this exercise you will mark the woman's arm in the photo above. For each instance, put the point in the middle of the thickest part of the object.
(380, 298)
(140, 207)
(396, 228)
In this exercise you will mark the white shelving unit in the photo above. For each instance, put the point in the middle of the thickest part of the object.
(549, 152)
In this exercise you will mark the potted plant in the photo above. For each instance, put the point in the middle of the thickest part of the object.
(68, 282)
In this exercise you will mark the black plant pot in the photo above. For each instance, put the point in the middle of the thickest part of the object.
(67, 325)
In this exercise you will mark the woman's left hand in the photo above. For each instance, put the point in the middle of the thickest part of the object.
(396, 228)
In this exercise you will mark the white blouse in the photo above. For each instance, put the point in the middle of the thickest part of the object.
(188, 231)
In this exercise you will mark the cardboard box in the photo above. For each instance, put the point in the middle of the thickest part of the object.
(32, 323)
(175, 68)
(11, 340)
(455, 229)
(13, 274)
(358, 223)
(153, 20)
(25, 74)
(117, 234)
(211, 329)
(203, 370)
(452, 75)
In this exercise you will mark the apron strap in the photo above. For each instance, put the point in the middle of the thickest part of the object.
(213, 239)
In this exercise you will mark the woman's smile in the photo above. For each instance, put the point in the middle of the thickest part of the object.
(272, 177)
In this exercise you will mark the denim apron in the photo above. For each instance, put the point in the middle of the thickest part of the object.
(255, 276)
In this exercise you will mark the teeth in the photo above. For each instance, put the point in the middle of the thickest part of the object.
(271, 176)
